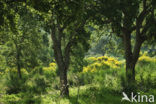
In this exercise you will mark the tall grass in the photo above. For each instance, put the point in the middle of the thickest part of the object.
(102, 81)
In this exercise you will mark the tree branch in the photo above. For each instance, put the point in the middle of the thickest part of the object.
(141, 17)
(71, 42)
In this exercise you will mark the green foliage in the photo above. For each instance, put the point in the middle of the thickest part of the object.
(11, 99)
(25, 42)
(37, 84)
(104, 42)
(30, 99)
(21, 98)
(95, 87)
(22, 37)
(13, 84)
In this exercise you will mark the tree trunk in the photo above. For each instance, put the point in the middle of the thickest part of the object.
(18, 62)
(19, 69)
(130, 66)
(62, 60)
(131, 57)
(130, 71)
(64, 92)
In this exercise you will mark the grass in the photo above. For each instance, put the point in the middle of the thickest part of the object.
(97, 87)
(89, 94)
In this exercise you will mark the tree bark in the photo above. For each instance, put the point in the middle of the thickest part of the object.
(130, 71)
(64, 92)
(130, 66)
(19, 67)
(18, 62)
(61, 60)
(131, 57)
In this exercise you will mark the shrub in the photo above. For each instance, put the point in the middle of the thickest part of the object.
(11, 99)
(146, 59)
(13, 83)
(37, 84)
(31, 99)
(101, 63)
(50, 71)
(86, 78)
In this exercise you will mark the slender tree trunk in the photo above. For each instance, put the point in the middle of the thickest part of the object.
(19, 68)
(64, 92)
(18, 62)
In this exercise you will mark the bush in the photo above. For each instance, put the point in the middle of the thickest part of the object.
(37, 84)
(101, 63)
(11, 99)
(31, 99)
(13, 83)
(143, 60)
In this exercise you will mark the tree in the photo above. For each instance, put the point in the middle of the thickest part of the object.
(66, 21)
(128, 18)
(21, 37)
(104, 42)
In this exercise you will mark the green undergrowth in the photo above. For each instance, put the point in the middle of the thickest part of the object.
(103, 84)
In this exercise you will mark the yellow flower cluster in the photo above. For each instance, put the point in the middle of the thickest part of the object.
(52, 64)
(102, 58)
(103, 62)
(52, 67)
(147, 59)
(92, 67)
(23, 71)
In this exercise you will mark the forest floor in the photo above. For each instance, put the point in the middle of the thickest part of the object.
(97, 86)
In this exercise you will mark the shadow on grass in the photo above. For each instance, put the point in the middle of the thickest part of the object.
(94, 95)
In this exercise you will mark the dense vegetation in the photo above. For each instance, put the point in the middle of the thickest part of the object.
(77, 51)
